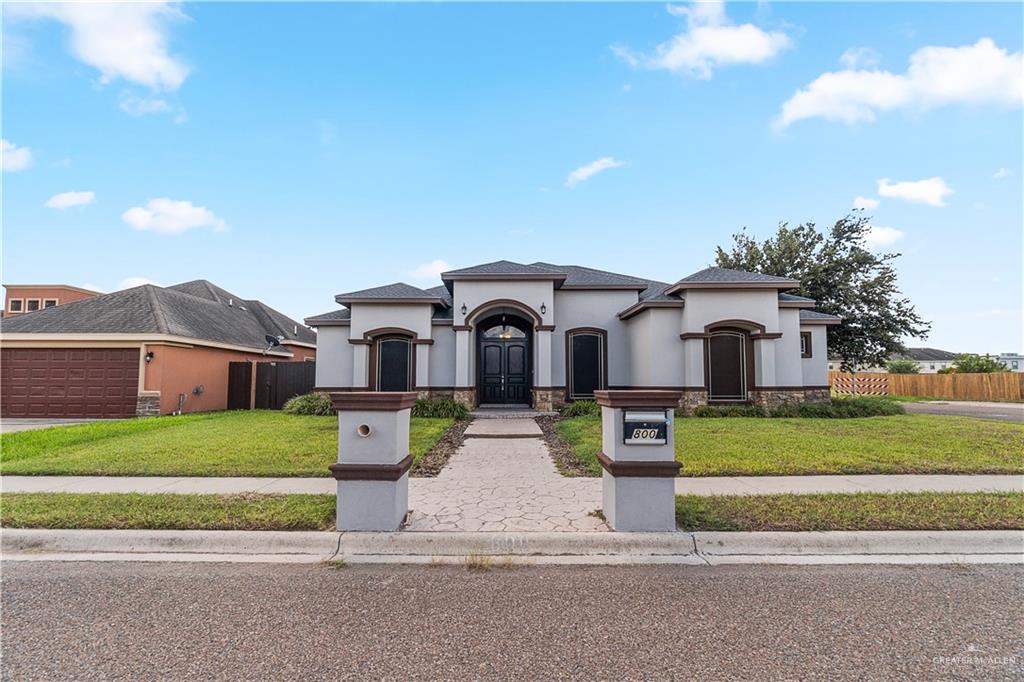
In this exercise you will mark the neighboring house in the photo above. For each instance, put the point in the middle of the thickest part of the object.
(140, 351)
(929, 360)
(27, 298)
(505, 333)
(1013, 361)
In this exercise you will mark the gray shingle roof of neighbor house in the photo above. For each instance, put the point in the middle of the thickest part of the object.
(814, 317)
(196, 310)
(397, 292)
(926, 355)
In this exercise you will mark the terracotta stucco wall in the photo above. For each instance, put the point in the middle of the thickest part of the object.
(60, 293)
(175, 370)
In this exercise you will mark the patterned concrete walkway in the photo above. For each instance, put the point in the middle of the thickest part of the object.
(502, 478)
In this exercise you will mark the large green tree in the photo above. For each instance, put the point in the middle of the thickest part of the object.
(837, 270)
(970, 363)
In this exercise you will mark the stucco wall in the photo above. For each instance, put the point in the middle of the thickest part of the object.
(788, 365)
(442, 357)
(532, 293)
(334, 357)
(707, 306)
(656, 352)
(414, 317)
(815, 368)
(175, 370)
(593, 309)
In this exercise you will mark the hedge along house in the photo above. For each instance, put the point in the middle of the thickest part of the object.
(508, 334)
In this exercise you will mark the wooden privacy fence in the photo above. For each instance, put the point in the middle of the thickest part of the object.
(995, 386)
(272, 386)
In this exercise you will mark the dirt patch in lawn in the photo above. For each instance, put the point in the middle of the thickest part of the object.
(567, 461)
(434, 459)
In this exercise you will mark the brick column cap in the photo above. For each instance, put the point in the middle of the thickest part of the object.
(649, 398)
(373, 400)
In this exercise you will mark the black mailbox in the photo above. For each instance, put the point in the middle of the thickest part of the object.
(645, 427)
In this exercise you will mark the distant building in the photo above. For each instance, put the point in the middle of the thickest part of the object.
(929, 360)
(27, 298)
(1013, 361)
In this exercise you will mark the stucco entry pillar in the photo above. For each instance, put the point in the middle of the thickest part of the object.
(373, 459)
(464, 392)
(638, 481)
(360, 365)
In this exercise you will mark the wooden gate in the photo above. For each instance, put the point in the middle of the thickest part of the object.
(239, 385)
(275, 383)
(278, 382)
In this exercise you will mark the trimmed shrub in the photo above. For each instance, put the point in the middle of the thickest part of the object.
(729, 411)
(310, 403)
(439, 407)
(581, 408)
(843, 408)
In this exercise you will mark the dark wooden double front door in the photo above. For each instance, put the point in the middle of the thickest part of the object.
(504, 372)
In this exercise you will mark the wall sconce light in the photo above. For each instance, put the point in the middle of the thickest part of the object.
(149, 357)
(463, 309)
(543, 309)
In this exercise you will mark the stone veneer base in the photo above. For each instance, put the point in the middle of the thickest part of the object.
(148, 404)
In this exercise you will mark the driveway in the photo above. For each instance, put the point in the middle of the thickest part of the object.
(13, 425)
(1007, 412)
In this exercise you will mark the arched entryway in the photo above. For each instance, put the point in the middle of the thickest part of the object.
(504, 359)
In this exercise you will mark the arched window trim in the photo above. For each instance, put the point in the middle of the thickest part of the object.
(602, 335)
(747, 357)
(374, 360)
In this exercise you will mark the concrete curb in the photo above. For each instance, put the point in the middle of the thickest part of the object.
(562, 548)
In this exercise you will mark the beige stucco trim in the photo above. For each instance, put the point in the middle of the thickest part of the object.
(638, 308)
(53, 286)
(23, 339)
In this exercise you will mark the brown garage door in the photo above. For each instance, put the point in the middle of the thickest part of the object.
(69, 382)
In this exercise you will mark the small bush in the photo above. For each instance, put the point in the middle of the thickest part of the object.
(439, 407)
(729, 411)
(581, 408)
(310, 403)
(866, 407)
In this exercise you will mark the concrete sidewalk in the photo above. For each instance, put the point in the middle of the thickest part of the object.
(734, 485)
(839, 547)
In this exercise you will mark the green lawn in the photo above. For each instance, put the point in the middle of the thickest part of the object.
(860, 511)
(865, 511)
(168, 512)
(244, 443)
(905, 444)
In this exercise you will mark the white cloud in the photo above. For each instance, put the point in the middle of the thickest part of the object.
(131, 103)
(866, 203)
(69, 199)
(431, 270)
(588, 171)
(710, 41)
(932, 191)
(1002, 173)
(859, 57)
(882, 236)
(167, 216)
(126, 40)
(13, 157)
(129, 282)
(977, 74)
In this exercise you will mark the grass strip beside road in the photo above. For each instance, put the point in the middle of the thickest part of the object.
(123, 511)
(861, 511)
(242, 443)
(856, 511)
(904, 444)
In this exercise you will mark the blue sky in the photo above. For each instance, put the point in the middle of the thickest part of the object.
(292, 152)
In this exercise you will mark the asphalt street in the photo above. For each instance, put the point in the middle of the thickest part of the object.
(1007, 412)
(256, 621)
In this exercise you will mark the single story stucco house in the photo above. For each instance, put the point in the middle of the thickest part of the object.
(539, 335)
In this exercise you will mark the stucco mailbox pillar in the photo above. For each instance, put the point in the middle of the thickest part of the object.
(638, 458)
(373, 459)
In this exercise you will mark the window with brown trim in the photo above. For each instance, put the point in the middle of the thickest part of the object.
(49, 302)
(16, 305)
(805, 345)
(586, 362)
